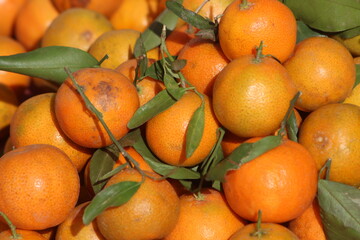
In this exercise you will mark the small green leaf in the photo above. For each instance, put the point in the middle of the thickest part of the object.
(339, 210)
(195, 130)
(130, 138)
(303, 32)
(112, 196)
(241, 155)
(178, 64)
(357, 80)
(113, 172)
(210, 34)
(48, 62)
(292, 127)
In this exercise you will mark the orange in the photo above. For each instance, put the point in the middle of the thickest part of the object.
(106, 7)
(8, 145)
(33, 20)
(357, 60)
(76, 27)
(73, 227)
(246, 23)
(281, 182)
(176, 40)
(204, 61)
(35, 123)
(229, 142)
(9, 10)
(308, 226)
(25, 235)
(3, 227)
(136, 156)
(148, 87)
(17, 82)
(322, 70)
(333, 131)
(251, 97)
(151, 213)
(206, 216)
(8, 106)
(166, 132)
(271, 231)
(110, 92)
(39, 186)
(48, 233)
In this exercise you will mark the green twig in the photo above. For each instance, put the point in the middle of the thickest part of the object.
(14, 234)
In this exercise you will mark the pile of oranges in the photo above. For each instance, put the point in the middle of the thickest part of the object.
(232, 95)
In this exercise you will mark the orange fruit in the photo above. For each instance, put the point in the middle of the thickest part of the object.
(229, 142)
(8, 106)
(281, 182)
(271, 231)
(166, 132)
(39, 186)
(136, 156)
(205, 217)
(242, 27)
(25, 235)
(9, 10)
(176, 40)
(110, 92)
(48, 233)
(73, 227)
(308, 225)
(357, 60)
(35, 123)
(76, 27)
(3, 227)
(8, 145)
(32, 21)
(106, 7)
(199, 72)
(151, 213)
(17, 82)
(322, 70)
(251, 98)
(333, 131)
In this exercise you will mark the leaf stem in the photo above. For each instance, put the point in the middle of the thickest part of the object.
(14, 234)
(259, 232)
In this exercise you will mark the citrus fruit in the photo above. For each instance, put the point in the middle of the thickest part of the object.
(8, 106)
(24, 235)
(136, 156)
(176, 40)
(352, 44)
(229, 142)
(9, 10)
(105, 7)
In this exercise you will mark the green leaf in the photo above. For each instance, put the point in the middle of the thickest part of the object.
(303, 32)
(162, 101)
(241, 155)
(178, 64)
(353, 32)
(113, 172)
(112, 196)
(195, 130)
(48, 62)
(327, 15)
(292, 127)
(339, 210)
(357, 80)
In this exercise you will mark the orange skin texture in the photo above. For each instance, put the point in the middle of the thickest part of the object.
(286, 175)
(202, 74)
(73, 227)
(333, 131)
(308, 225)
(273, 232)
(37, 115)
(25, 235)
(241, 30)
(106, 7)
(246, 93)
(9, 10)
(176, 40)
(33, 20)
(166, 132)
(151, 213)
(110, 92)
(323, 70)
(208, 218)
(39, 186)
(8, 106)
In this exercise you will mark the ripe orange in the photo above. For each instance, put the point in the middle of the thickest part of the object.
(106, 7)
(9, 10)
(166, 132)
(242, 27)
(151, 213)
(176, 40)
(357, 60)
(333, 131)
(281, 182)
(204, 61)
(25, 235)
(39, 186)
(308, 226)
(35, 123)
(322, 70)
(230, 142)
(136, 156)
(8, 106)
(251, 98)
(110, 92)
(205, 217)
(48, 233)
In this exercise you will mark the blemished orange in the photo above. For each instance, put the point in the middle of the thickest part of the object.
(9, 10)
(166, 132)
(333, 131)
(148, 87)
(110, 92)
(246, 23)
(34, 122)
(322, 70)
(270, 231)
(24, 235)
(308, 226)
(117, 44)
(151, 213)
(205, 217)
(39, 186)
(32, 21)
(251, 97)
(17, 82)
(76, 27)
(286, 175)
(204, 61)
(73, 227)
(176, 40)
(8, 106)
